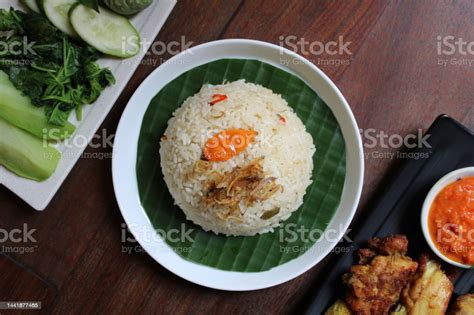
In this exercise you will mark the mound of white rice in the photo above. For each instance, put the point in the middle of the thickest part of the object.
(282, 145)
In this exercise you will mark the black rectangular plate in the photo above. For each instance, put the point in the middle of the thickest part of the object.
(397, 209)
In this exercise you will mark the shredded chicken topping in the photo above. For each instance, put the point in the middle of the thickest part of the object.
(247, 184)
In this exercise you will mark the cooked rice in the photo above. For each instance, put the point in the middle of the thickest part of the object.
(282, 142)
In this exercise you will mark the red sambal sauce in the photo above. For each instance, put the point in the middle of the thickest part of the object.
(451, 221)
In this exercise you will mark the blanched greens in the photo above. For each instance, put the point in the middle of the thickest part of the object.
(47, 66)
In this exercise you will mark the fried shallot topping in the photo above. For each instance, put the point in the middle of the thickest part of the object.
(247, 184)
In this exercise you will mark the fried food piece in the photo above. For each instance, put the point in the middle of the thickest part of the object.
(393, 244)
(429, 291)
(399, 310)
(374, 286)
(338, 308)
(366, 255)
(464, 305)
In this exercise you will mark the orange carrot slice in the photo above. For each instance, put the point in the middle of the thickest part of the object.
(228, 143)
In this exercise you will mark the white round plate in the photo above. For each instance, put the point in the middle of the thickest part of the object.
(125, 154)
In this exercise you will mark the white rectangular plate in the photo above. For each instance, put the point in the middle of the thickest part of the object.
(38, 195)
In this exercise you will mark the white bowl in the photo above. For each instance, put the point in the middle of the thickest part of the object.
(125, 153)
(443, 182)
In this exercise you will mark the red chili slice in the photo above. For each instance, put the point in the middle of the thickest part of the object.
(216, 98)
(282, 119)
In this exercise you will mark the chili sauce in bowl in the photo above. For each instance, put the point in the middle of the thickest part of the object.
(448, 218)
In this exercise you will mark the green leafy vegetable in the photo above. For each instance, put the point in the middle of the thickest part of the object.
(10, 21)
(17, 110)
(47, 66)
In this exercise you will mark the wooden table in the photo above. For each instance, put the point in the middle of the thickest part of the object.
(391, 78)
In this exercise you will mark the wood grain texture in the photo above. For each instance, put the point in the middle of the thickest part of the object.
(21, 284)
(392, 82)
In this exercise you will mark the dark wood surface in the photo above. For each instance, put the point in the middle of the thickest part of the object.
(391, 80)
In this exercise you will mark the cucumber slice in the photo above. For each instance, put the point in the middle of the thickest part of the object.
(106, 31)
(17, 110)
(26, 155)
(32, 5)
(57, 13)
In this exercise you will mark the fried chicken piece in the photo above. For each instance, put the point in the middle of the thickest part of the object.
(393, 244)
(429, 291)
(399, 310)
(387, 246)
(338, 308)
(366, 255)
(464, 305)
(375, 285)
